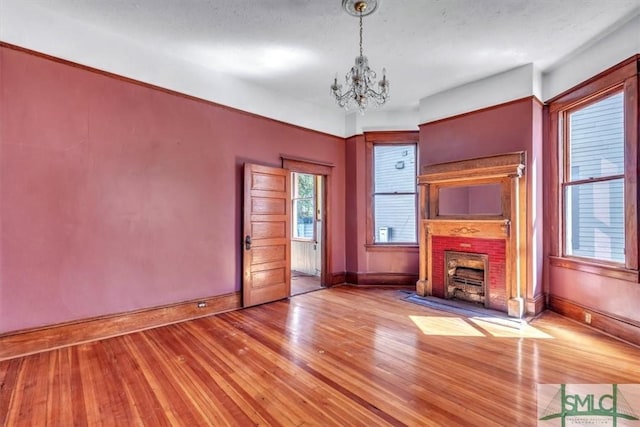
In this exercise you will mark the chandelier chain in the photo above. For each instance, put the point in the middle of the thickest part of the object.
(360, 32)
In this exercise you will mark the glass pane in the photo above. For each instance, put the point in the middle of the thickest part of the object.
(303, 185)
(395, 218)
(303, 218)
(596, 139)
(395, 168)
(594, 220)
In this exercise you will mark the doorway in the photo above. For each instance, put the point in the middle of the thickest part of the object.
(268, 230)
(308, 232)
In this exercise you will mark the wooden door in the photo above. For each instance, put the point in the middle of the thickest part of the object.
(266, 239)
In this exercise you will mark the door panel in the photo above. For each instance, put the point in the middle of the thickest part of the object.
(266, 239)
(268, 277)
(262, 204)
(271, 253)
(267, 230)
(268, 181)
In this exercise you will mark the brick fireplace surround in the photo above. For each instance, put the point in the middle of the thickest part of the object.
(499, 236)
(494, 248)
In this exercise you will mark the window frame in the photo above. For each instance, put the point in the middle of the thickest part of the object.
(622, 77)
(565, 176)
(387, 138)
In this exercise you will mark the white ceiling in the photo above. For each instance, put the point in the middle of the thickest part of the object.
(294, 47)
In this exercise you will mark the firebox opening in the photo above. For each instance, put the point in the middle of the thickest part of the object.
(466, 276)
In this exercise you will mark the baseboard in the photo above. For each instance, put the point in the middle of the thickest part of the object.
(25, 342)
(351, 277)
(387, 279)
(625, 329)
(336, 278)
(535, 306)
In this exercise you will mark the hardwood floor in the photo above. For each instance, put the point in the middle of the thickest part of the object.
(302, 283)
(339, 356)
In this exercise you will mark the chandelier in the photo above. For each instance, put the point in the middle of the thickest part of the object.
(360, 80)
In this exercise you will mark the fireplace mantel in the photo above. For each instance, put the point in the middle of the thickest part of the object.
(502, 165)
(490, 229)
(505, 171)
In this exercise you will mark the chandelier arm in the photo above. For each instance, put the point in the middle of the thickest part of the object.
(375, 93)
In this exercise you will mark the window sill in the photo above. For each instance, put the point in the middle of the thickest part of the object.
(612, 271)
(390, 247)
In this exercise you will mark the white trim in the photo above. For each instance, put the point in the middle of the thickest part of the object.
(593, 58)
(497, 89)
(381, 120)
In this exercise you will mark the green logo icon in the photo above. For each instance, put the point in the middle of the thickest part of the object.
(586, 404)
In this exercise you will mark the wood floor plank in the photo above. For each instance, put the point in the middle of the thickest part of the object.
(175, 405)
(140, 393)
(336, 357)
(358, 380)
(215, 377)
(327, 361)
(287, 384)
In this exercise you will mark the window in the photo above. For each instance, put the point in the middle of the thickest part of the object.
(593, 203)
(394, 193)
(303, 192)
(593, 189)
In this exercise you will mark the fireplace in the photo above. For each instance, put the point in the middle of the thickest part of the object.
(490, 249)
(472, 231)
(466, 276)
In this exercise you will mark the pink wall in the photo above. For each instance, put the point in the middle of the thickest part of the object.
(603, 294)
(116, 196)
(355, 203)
(505, 128)
(497, 130)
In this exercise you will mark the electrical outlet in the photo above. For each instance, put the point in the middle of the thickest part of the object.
(202, 304)
(587, 318)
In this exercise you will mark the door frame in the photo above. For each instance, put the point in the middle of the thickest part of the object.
(300, 165)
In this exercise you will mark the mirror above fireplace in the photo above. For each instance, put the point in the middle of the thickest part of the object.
(470, 200)
(471, 189)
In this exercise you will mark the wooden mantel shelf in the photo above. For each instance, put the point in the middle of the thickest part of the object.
(503, 165)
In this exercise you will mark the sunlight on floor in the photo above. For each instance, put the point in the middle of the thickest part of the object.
(449, 326)
(475, 327)
(501, 328)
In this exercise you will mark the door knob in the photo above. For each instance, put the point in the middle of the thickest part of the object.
(247, 242)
